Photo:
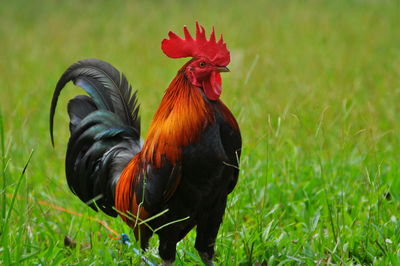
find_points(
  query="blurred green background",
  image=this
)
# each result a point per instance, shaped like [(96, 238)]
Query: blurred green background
[(315, 88)]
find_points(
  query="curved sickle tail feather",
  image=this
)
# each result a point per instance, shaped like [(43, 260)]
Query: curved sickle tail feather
[(105, 131)]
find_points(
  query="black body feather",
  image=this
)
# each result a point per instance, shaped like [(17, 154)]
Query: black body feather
[(105, 131)]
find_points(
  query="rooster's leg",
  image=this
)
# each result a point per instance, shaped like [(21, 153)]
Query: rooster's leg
[(167, 250), (145, 235), (207, 230), (170, 236)]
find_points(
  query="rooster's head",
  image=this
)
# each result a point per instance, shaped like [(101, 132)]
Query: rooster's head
[(210, 57)]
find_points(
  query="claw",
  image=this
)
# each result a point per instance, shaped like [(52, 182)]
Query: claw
[(206, 259), (167, 263)]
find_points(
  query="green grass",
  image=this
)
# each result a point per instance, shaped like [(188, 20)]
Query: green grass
[(315, 87)]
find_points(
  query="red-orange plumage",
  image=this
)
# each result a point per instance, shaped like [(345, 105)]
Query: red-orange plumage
[(178, 121), (125, 198), (124, 190)]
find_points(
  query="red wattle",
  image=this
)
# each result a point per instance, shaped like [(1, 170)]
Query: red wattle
[(213, 87)]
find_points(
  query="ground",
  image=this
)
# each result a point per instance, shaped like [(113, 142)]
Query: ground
[(315, 87)]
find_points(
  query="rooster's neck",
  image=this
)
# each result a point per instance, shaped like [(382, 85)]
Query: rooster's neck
[(180, 119)]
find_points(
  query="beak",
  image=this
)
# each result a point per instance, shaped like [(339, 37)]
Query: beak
[(222, 69)]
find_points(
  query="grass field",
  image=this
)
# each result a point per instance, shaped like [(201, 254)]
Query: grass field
[(315, 86)]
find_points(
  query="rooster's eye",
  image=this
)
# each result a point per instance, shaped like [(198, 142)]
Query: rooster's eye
[(202, 64)]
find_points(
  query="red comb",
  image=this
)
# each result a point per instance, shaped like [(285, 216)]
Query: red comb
[(216, 52)]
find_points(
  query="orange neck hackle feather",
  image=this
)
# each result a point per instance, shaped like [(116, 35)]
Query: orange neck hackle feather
[(179, 121)]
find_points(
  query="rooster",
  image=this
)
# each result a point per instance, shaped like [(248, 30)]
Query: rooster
[(179, 177)]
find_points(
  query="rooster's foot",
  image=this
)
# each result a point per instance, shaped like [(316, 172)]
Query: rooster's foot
[(167, 263), (207, 260)]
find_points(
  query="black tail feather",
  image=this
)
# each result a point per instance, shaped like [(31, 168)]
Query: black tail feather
[(108, 88), (105, 131), (78, 108)]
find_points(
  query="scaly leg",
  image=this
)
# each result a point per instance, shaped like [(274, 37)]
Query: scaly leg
[(207, 230)]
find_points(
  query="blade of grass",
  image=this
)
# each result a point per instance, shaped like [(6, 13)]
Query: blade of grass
[(14, 196), (3, 168)]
